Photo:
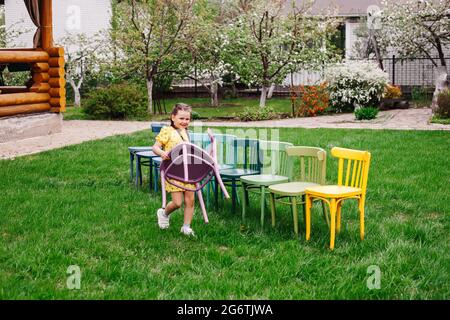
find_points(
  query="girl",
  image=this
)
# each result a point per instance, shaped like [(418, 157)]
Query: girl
[(168, 138)]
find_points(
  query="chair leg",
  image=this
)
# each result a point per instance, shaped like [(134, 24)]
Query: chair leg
[(131, 165), (216, 194), (155, 184), (263, 193), (338, 216), (244, 202), (150, 169), (333, 222), (361, 218), (149, 178), (138, 172), (304, 208), (208, 191), (233, 196), (325, 215), (272, 208), (307, 216), (295, 213)]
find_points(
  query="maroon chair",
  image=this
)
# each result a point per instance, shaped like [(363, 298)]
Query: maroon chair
[(191, 164)]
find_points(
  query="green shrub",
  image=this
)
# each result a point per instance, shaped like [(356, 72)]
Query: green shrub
[(420, 94), (443, 109), (367, 113), (255, 114), (118, 101), (195, 115)]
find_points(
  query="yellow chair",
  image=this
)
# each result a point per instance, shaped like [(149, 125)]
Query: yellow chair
[(354, 187)]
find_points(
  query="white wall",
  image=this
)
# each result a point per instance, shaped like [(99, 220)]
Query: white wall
[(69, 16)]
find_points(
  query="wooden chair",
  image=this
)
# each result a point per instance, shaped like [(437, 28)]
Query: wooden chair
[(276, 169), (247, 161), (312, 165), (355, 172)]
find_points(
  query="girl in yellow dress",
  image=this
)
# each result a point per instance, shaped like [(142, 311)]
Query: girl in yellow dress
[(168, 138)]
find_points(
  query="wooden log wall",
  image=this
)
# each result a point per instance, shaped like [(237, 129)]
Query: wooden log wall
[(56, 80), (33, 99), (47, 92)]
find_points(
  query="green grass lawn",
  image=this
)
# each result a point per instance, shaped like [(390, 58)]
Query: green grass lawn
[(227, 108), (76, 206)]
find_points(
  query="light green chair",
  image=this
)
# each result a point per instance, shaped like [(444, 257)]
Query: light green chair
[(276, 169), (312, 165)]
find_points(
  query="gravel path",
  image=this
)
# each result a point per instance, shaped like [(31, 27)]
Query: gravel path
[(78, 131)]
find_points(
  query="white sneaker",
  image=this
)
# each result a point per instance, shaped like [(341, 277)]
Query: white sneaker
[(163, 220), (187, 231)]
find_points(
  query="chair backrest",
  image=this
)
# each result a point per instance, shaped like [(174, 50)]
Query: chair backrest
[(225, 148), (199, 139), (312, 163), (156, 127), (274, 157), (353, 167), (246, 154)]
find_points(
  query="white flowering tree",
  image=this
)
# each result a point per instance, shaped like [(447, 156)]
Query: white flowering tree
[(84, 56), (150, 33), (203, 47), (419, 28), (268, 39), (355, 84)]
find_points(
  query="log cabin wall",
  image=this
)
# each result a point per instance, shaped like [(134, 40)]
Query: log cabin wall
[(47, 90)]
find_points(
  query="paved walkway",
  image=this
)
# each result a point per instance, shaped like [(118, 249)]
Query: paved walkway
[(73, 132), (409, 119), (78, 131)]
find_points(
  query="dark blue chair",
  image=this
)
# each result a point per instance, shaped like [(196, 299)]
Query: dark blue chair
[(247, 159)]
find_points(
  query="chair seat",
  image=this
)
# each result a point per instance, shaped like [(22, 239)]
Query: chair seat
[(225, 166), (139, 149), (146, 154), (233, 173), (333, 191), (291, 188), (264, 179)]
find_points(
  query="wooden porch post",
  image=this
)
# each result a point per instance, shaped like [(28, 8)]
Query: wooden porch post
[(47, 24)]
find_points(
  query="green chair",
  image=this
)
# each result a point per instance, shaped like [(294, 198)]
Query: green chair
[(276, 169), (312, 165), (246, 159)]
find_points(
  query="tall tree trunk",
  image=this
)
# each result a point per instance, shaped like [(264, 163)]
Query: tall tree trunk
[(150, 96), (262, 100), (271, 89), (214, 94), (76, 91), (441, 85)]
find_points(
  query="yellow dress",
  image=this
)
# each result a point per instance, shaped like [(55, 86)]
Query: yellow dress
[(168, 137)]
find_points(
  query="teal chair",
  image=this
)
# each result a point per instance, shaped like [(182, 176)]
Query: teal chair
[(225, 144), (156, 128), (247, 161), (276, 168)]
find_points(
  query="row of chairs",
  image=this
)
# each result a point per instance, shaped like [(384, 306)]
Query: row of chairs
[(267, 168)]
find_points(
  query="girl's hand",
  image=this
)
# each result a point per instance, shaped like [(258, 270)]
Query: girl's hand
[(165, 156)]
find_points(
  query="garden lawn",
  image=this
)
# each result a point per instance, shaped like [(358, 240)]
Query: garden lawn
[(76, 206)]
